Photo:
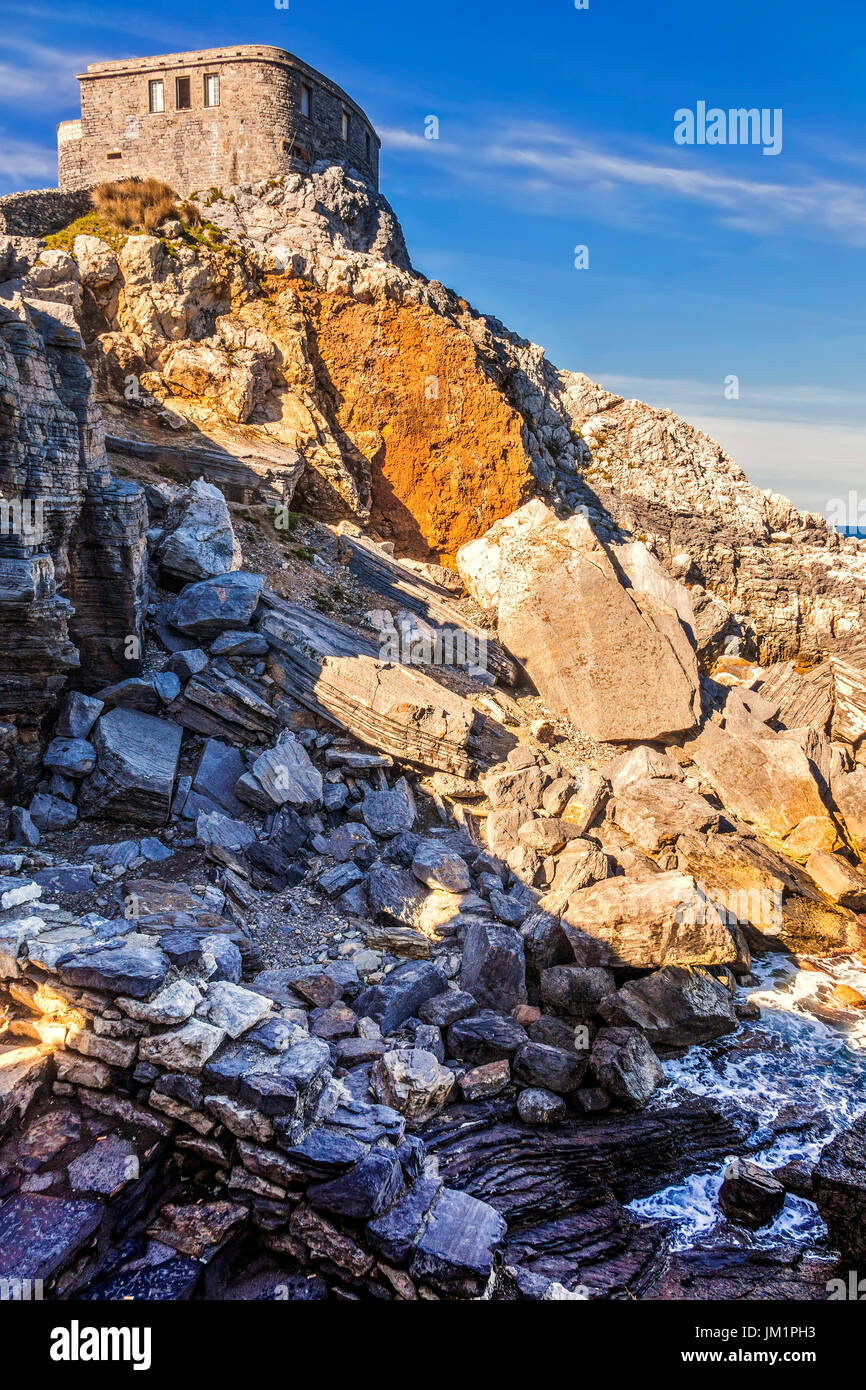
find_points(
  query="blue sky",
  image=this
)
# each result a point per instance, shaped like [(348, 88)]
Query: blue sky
[(556, 130)]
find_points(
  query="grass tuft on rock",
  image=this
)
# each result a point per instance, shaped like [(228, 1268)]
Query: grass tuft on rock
[(144, 203)]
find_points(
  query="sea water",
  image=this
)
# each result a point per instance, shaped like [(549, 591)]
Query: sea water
[(801, 1077)]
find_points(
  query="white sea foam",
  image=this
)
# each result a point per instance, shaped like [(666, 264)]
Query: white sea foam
[(800, 1077)]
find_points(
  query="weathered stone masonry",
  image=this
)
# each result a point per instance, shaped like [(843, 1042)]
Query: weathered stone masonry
[(249, 124)]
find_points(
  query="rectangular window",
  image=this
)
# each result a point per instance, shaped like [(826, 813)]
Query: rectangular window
[(182, 98), (367, 145), (346, 126), (156, 93), (211, 89), (306, 100)]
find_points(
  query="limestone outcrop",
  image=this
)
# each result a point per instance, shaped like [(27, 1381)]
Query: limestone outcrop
[(618, 662), (72, 538)]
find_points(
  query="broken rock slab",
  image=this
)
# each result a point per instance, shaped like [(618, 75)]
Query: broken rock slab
[(838, 879), (283, 775), (767, 781), (616, 661), (41, 1235), (649, 923), (412, 1081), (198, 541), (626, 1066), (216, 605), (494, 968), (849, 794), (391, 812), (675, 1007), (137, 756)]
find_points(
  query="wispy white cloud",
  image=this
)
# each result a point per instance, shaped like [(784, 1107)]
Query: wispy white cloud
[(36, 72), (397, 138), (827, 405), (559, 169), (25, 163)]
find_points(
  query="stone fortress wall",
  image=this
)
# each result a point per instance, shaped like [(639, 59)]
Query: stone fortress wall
[(254, 112)]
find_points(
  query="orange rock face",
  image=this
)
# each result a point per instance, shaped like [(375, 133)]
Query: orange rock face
[(408, 390)]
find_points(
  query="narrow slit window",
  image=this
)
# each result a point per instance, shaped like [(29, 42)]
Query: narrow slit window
[(306, 100), (346, 126), (156, 95), (367, 145), (211, 89), (183, 101)]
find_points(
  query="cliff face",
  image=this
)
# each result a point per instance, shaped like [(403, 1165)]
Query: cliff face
[(442, 446), (291, 332), (72, 540), (432, 421)]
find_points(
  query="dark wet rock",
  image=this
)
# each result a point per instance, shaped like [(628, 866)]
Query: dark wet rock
[(340, 879), (626, 1066), (137, 971), (485, 1037), (394, 1234), (448, 1007), (558, 1032), (508, 909), (797, 1177), (676, 1007), (105, 1168), (390, 812), (216, 605), (72, 757), (395, 895), (750, 1195), (551, 1068), (400, 995), (22, 828), (575, 990), (172, 1280), (50, 813), (137, 692), (545, 942), (234, 1061), (840, 1189), (402, 849), (745, 1275), (40, 1235), (290, 831), (369, 1188), (278, 868), (537, 1106), (66, 878), (324, 1153), (494, 969), (78, 715), (137, 758), (185, 664), (456, 1250), (213, 784)]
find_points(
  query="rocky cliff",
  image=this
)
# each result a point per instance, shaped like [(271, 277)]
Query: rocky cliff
[(368, 950), (72, 538), (292, 322)]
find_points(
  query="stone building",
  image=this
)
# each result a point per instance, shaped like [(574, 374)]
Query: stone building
[(216, 116)]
